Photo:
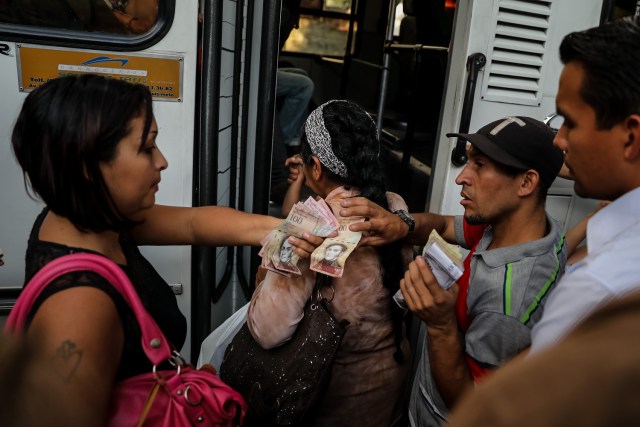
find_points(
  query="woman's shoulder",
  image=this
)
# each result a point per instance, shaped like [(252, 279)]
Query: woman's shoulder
[(40, 252), (396, 202), (37, 224)]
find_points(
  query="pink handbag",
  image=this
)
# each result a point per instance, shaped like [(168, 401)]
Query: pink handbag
[(169, 398)]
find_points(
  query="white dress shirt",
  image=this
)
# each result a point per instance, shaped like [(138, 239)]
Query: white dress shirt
[(610, 270)]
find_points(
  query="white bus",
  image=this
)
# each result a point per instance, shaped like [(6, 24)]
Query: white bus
[(422, 69)]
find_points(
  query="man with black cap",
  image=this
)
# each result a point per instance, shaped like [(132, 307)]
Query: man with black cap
[(582, 369), (517, 254)]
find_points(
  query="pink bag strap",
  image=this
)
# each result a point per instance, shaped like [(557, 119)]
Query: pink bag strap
[(154, 343)]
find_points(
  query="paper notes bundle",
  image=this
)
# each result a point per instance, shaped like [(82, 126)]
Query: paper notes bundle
[(316, 218), (444, 260), (329, 258)]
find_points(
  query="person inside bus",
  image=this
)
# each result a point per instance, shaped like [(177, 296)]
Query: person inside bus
[(293, 85), (517, 255), (339, 159), (583, 365), (294, 90), (110, 16), (137, 16), (87, 147)]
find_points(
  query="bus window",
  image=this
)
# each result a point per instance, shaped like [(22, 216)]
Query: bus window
[(621, 8), (323, 28), (124, 25), (137, 16)]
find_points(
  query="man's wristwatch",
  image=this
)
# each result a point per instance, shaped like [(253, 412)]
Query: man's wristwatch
[(407, 218)]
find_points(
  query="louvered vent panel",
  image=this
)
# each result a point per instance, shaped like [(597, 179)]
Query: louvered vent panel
[(514, 65)]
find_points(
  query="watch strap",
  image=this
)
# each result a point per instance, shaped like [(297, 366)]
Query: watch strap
[(407, 218)]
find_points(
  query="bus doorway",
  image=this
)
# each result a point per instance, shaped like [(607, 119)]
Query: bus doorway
[(388, 56), (450, 68)]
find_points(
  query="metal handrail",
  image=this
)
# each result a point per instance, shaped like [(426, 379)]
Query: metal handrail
[(415, 47), (475, 63)]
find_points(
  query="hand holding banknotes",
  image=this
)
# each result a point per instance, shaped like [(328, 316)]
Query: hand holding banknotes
[(444, 260), (381, 227), (311, 218), (426, 298)]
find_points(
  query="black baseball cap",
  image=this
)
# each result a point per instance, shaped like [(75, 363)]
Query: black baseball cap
[(520, 142)]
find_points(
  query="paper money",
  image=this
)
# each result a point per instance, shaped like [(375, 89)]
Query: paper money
[(312, 217), (452, 251), (268, 244), (282, 255), (329, 258), (324, 210), (444, 260)]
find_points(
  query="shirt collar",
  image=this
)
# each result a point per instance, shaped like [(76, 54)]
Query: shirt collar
[(502, 256)]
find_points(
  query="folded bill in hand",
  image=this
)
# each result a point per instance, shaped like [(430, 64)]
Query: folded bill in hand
[(312, 217), (444, 260), (329, 258)]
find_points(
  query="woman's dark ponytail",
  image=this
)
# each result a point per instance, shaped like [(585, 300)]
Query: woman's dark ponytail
[(355, 142)]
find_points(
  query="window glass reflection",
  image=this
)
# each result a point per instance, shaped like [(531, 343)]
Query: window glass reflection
[(320, 36), (338, 5), (327, 5), (108, 16), (622, 8)]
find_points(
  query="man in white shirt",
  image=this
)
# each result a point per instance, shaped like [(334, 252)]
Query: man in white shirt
[(599, 98)]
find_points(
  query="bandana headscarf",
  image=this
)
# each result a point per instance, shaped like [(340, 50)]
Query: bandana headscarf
[(320, 142)]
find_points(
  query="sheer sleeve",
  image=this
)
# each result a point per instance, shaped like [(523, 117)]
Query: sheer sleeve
[(277, 306)]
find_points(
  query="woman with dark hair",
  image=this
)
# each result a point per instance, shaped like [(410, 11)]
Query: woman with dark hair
[(87, 147), (339, 159)]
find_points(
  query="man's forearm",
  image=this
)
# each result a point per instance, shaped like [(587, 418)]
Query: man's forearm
[(448, 366), (382, 227), (425, 222)]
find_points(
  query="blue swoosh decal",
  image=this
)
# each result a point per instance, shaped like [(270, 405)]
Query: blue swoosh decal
[(101, 59)]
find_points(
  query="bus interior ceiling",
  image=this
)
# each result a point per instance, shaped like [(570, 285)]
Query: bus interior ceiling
[(413, 90)]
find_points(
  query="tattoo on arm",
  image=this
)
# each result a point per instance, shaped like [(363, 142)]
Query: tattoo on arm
[(66, 360)]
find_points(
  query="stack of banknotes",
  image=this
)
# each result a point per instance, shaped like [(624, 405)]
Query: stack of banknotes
[(444, 260), (314, 217)]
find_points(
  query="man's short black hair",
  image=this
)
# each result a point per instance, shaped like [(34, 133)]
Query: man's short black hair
[(610, 58)]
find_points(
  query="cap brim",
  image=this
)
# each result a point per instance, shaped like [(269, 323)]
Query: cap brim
[(490, 149)]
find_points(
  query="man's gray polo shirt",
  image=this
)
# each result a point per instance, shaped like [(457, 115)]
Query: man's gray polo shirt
[(507, 290)]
